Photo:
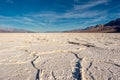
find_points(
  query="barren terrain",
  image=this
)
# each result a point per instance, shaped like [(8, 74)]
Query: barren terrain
[(60, 56)]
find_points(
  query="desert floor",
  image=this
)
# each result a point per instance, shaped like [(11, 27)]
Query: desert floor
[(60, 56)]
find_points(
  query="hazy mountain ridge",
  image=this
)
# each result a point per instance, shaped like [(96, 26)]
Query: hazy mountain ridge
[(13, 30), (110, 27)]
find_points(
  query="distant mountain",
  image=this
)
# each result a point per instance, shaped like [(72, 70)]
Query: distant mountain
[(13, 30), (110, 27), (53, 32)]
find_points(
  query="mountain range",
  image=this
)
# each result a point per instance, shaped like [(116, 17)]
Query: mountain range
[(13, 30), (110, 27)]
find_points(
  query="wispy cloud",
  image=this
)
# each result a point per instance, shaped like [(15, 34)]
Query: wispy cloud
[(78, 11), (90, 4), (18, 21), (69, 14), (93, 21)]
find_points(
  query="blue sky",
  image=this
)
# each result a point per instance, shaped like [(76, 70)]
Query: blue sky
[(56, 15)]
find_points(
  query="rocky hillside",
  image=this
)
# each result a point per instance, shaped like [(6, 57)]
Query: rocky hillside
[(110, 27)]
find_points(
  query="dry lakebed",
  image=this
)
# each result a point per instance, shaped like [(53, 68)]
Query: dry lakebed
[(59, 56)]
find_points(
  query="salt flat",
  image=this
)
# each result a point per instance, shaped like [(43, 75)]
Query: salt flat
[(60, 56)]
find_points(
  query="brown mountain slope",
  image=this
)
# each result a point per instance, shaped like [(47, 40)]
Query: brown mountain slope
[(110, 27)]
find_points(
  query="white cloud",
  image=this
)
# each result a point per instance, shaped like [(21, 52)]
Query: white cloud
[(90, 4), (78, 11), (23, 20), (69, 14), (27, 19)]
